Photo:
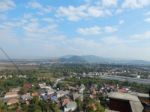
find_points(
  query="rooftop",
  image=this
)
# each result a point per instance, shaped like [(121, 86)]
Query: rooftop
[(12, 101), (107, 110), (123, 96), (11, 93), (134, 101), (140, 94)]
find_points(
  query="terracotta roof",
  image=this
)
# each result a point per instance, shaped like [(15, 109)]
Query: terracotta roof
[(12, 101), (11, 93)]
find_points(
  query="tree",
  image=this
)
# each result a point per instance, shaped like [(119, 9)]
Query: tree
[(79, 105)]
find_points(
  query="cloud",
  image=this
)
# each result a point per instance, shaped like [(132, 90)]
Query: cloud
[(133, 4), (147, 20), (99, 8), (110, 29), (6, 5), (142, 36), (147, 13), (96, 30), (113, 40), (34, 27), (73, 13), (30, 27), (109, 3), (42, 9)]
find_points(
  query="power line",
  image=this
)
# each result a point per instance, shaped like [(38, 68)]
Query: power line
[(4, 52)]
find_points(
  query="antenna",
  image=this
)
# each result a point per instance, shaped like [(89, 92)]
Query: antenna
[(3, 51)]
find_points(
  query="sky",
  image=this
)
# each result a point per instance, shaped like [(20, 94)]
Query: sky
[(54, 28)]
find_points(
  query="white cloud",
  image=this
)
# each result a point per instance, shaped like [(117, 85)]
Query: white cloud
[(110, 29), (119, 11), (95, 30), (42, 9), (142, 36), (135, 3), (3, 17), (73, 13), (113, 40), (99, 8), (6, 5), (95, 12), (147, 20), (33, 28), (109, 3)]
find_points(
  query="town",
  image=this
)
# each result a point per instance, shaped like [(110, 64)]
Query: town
[(58, 90), (74, 56)]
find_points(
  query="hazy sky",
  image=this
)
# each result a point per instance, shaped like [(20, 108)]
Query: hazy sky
[(49, 28)]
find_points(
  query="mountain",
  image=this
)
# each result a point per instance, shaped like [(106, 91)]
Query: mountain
[(72, 59), (80, 59), (97, 59)]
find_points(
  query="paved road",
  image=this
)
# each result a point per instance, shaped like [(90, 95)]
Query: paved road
[(129, 79), (57, 81)]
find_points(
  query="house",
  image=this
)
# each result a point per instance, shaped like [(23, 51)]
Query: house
[(81, 88), (34, 94), (77, 96), (50, 91), (12, 101), (26, 97), (123, 90), (70, 106), (124, 102), (27, 86), (54, 98), (42, 85), (15, 89), (107, 110), (11, 95), (65, 101), (71, 88), (46, 97), (61, 93)]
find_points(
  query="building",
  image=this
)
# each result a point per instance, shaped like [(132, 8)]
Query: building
[(11, 95), (71, 106), (12, 101), (82, 88), (27, 86), (61, 93), (26, 97), (107, 110), (124, 102), (35, 94), (15, 89), (77, 96), (65, 101)]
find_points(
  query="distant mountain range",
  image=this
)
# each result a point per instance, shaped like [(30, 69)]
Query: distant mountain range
[(97, 59), (81, 59)]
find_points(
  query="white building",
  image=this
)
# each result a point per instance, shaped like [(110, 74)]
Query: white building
[(26, 97), (71, 106), (61, 93), (82, 88)]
